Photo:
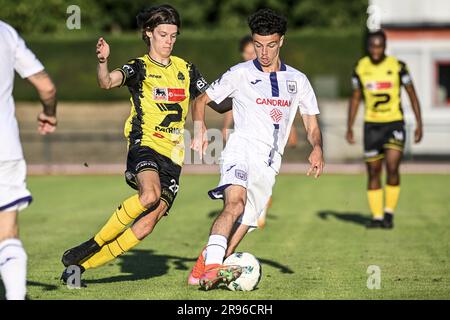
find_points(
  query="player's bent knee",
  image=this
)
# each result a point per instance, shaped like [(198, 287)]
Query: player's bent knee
[(235, 207), (149, 198)]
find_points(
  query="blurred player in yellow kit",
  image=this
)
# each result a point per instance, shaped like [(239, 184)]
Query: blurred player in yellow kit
[(378, 79)]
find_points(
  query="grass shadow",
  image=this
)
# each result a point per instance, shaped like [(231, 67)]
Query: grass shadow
[(353, 217), (145, 264)]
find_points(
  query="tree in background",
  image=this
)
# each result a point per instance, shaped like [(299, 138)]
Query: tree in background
[(49, 16)]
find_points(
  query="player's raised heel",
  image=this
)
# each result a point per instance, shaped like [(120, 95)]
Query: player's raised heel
[(79, 253)]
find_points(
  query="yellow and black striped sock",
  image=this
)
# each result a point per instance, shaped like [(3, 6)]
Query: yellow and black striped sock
[(129, 210), (376, 203), (392, 195), (112, 250)]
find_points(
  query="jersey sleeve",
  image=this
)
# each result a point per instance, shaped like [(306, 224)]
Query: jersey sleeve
[(223, 87), (130, 72), (356, 81), (198, 84), (25, 62), (308, 102), (405, 77)]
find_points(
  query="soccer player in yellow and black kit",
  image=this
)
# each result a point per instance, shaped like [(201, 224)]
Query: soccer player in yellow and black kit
[(377, 79), (160, 86)]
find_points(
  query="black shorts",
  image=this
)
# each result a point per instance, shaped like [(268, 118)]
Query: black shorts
[(381, 136), (142, 158)]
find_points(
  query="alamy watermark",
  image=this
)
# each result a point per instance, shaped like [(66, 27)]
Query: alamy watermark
[(374, 279), (73, 21)]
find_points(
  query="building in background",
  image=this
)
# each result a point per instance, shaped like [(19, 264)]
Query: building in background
[(418, 32)]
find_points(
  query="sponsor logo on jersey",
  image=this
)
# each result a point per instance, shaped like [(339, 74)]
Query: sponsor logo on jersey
[(160, 94), (291, 86), (276, 115), (169, 94), (166, 130), (273, 102), (378, 85), (201, 84), (256, 81), (156, 76), (176, 94)]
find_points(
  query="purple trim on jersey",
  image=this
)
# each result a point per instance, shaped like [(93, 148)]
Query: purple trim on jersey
[(15, 202), (257, 65), (274, 84)]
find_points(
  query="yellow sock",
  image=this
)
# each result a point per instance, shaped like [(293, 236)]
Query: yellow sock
[(112, 250), (376, 203), (392, 194), (129, 210)]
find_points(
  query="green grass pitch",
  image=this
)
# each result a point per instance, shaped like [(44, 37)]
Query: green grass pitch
[(314, 245)]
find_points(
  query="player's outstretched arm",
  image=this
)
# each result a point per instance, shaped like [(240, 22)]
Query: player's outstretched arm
[(352, 111), (200, 141), (315, 139), (47, 94), (418, 133), (106, 79)]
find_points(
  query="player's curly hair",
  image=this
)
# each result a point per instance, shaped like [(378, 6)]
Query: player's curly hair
[(266, 22), (149, 18)]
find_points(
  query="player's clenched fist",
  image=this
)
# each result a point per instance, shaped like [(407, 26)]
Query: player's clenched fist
[(102, 50)]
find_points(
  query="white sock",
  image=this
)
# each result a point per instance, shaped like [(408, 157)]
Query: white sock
[(215, 250), (13, 268)]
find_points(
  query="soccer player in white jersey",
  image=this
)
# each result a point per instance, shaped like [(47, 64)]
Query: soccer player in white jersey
[(14, 195), (266, 96)]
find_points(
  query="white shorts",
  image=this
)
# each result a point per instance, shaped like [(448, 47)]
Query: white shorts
[(14, 195), (248, 169)]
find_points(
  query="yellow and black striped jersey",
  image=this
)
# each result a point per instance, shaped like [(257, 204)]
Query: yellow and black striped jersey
[(381, 87), (160, 97)]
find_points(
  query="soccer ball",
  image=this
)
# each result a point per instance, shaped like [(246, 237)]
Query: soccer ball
[(251, 271)]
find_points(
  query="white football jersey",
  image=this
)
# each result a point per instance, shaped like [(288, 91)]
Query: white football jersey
[(264, 104), (14, 55)]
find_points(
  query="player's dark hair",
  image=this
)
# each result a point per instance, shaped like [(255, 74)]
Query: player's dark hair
[(379, 33), (244, 42), (266, 22), (149, 18)]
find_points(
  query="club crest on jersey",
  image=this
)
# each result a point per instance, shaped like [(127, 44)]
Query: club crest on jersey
[(291, 86), (241, 175), (180, 76)]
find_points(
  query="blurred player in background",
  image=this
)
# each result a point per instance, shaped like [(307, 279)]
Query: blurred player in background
[(161, 86), (378, 79), (266, 96), (14, 195)]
